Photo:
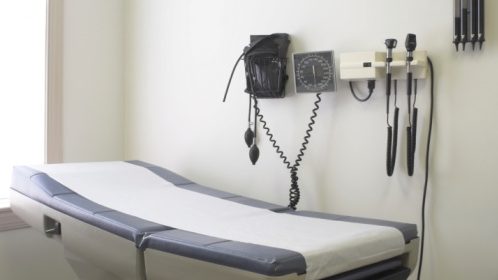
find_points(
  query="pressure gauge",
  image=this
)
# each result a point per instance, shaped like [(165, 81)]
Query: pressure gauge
[(314, 72)]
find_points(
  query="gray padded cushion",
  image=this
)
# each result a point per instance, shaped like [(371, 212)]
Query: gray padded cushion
[(256, 203), (206, 190), (127, 226), (169, 176), (49, 185), (76, 205), (42, 188), (36, 185), (409, 231), (184, 183), (259, 259)]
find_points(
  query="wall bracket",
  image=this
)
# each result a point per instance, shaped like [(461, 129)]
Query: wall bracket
[(356, 66)]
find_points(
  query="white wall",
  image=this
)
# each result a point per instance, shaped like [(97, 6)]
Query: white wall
[(92, 80), (178, 57)]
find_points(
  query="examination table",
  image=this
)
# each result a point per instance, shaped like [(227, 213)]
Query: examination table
[(134, 220)]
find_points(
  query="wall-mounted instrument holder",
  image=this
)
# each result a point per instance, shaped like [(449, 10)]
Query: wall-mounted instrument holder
[(410, 66), (468, 23), (358, 66)]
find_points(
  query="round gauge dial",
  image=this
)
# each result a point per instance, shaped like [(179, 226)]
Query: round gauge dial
[(314, 72)]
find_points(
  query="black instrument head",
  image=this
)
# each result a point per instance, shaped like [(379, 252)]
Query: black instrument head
[(391, 43), (411, 42)]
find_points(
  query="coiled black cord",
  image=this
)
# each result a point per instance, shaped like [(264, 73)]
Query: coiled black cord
[(270, 135), (294, 192), (305, 143)]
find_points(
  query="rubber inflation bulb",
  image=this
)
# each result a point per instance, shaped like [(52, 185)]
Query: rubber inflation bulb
[(249, 137), (254, 154)]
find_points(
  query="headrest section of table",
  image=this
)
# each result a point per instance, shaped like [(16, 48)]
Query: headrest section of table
[(45, 190)]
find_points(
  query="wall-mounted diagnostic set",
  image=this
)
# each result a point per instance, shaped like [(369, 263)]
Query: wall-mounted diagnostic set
[(468, 23), (265, 61), (410, 66)]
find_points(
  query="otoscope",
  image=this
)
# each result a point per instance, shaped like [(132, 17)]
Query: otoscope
[(390, 44), (410, 44), (392, 136)]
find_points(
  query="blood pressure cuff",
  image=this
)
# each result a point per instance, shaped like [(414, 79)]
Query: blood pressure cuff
[(265, 63)]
